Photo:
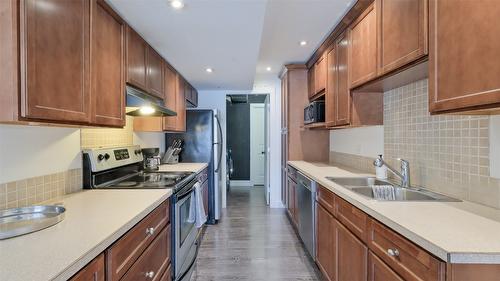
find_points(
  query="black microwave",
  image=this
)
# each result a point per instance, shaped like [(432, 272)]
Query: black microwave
[(314, 112)]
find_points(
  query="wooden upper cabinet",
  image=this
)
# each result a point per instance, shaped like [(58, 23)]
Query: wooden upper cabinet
[(320, 75), (342, 96), (402, 32), (136, 60), (55, 50), (311, 82), (94, 271), (181, 105), (331, 87), (171, 96), (464, 48), (154, 77), (107, 66), (363, 48)]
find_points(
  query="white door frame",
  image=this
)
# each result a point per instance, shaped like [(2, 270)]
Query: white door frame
[(253, 152)]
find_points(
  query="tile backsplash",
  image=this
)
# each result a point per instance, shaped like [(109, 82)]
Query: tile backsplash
[(31, 191), (447, 153), (106, 137)]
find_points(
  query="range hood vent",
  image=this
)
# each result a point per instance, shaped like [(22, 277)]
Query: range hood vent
[(140, 103)]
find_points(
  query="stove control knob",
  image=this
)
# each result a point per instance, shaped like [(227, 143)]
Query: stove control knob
[(106, 156), (100, 157), (137, 152)]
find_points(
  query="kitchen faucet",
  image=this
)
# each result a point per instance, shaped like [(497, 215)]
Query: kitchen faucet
[(405, 170)]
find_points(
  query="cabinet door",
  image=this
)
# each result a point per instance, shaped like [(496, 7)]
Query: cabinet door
[(136, 59), (379, 271), (402, 32), (353, 256), (326, 239), (464, 48), (342, 95), (291, 198), (363, 48), (55, 60), (107, 66), (311, 82), (181, 104), (331, 85), (170, 97), (154, 77), (94, 271), (320, 75)]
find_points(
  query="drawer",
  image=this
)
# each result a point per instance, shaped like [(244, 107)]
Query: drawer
[(152, 264), (167, 276), (405, 258), (326, 198), (124, 252), (353, 218), (94, 271)]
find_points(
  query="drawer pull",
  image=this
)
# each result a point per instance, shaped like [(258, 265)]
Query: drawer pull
[(150, 230), (393, 252), (150, 274)]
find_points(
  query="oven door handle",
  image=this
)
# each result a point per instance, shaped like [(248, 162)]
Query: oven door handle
[(185, 194)]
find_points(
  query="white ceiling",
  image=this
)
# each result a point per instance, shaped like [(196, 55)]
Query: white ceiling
[(239, 39)]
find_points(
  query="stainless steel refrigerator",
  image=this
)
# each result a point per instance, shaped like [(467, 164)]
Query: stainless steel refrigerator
[(203, 143)]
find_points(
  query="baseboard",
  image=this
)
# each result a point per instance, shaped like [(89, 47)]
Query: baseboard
[(240, 183)]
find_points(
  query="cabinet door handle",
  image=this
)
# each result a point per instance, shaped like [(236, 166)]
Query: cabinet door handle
[(150, 274), (150, 230), (393, 252)]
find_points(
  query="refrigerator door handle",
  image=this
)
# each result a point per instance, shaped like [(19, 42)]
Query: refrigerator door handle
[(220, 143)]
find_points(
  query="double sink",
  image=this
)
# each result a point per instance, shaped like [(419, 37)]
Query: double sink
[(380, 190)]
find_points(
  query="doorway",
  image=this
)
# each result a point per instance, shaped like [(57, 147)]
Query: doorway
[(247, 126)]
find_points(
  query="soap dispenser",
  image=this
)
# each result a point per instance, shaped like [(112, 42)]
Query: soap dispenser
[(381, 172)]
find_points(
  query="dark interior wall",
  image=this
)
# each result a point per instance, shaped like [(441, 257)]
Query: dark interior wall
[(238, 138)]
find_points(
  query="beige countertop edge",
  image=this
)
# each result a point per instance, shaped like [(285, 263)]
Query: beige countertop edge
[(448, 256), (101, 247)]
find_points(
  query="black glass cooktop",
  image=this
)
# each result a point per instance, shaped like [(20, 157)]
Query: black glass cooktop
[(152, 180)]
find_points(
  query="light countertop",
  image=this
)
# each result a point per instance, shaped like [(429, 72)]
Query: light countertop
[(183, 167), (456, 232), (94, 219)]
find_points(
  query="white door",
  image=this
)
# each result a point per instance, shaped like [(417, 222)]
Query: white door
[(257, 144)]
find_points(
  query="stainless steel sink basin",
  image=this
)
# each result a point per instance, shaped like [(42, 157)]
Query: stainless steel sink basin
[(387, 191), (19, 221)]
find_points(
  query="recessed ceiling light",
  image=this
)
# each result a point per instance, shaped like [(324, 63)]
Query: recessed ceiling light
[(303, 43), (268, 68), (177, 4), (209, 70)]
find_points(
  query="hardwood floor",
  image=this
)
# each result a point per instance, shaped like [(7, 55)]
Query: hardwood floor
[(252, 242)]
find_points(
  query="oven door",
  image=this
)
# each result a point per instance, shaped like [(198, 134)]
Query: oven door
[(185, 233)]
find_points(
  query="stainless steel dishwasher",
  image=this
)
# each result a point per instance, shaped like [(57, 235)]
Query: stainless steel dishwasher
[(306, 194)]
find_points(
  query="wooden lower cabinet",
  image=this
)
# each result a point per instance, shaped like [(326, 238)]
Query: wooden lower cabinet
[(326, 243), (352, 255), (167, 276), (379, 271), (143, 253), (94, 271), (153, 262)]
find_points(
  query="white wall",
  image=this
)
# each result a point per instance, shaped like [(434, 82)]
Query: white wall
[(217, 100), (363, 141), (29, 151)]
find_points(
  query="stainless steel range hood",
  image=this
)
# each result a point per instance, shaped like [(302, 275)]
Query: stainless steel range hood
[(140, 103)]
